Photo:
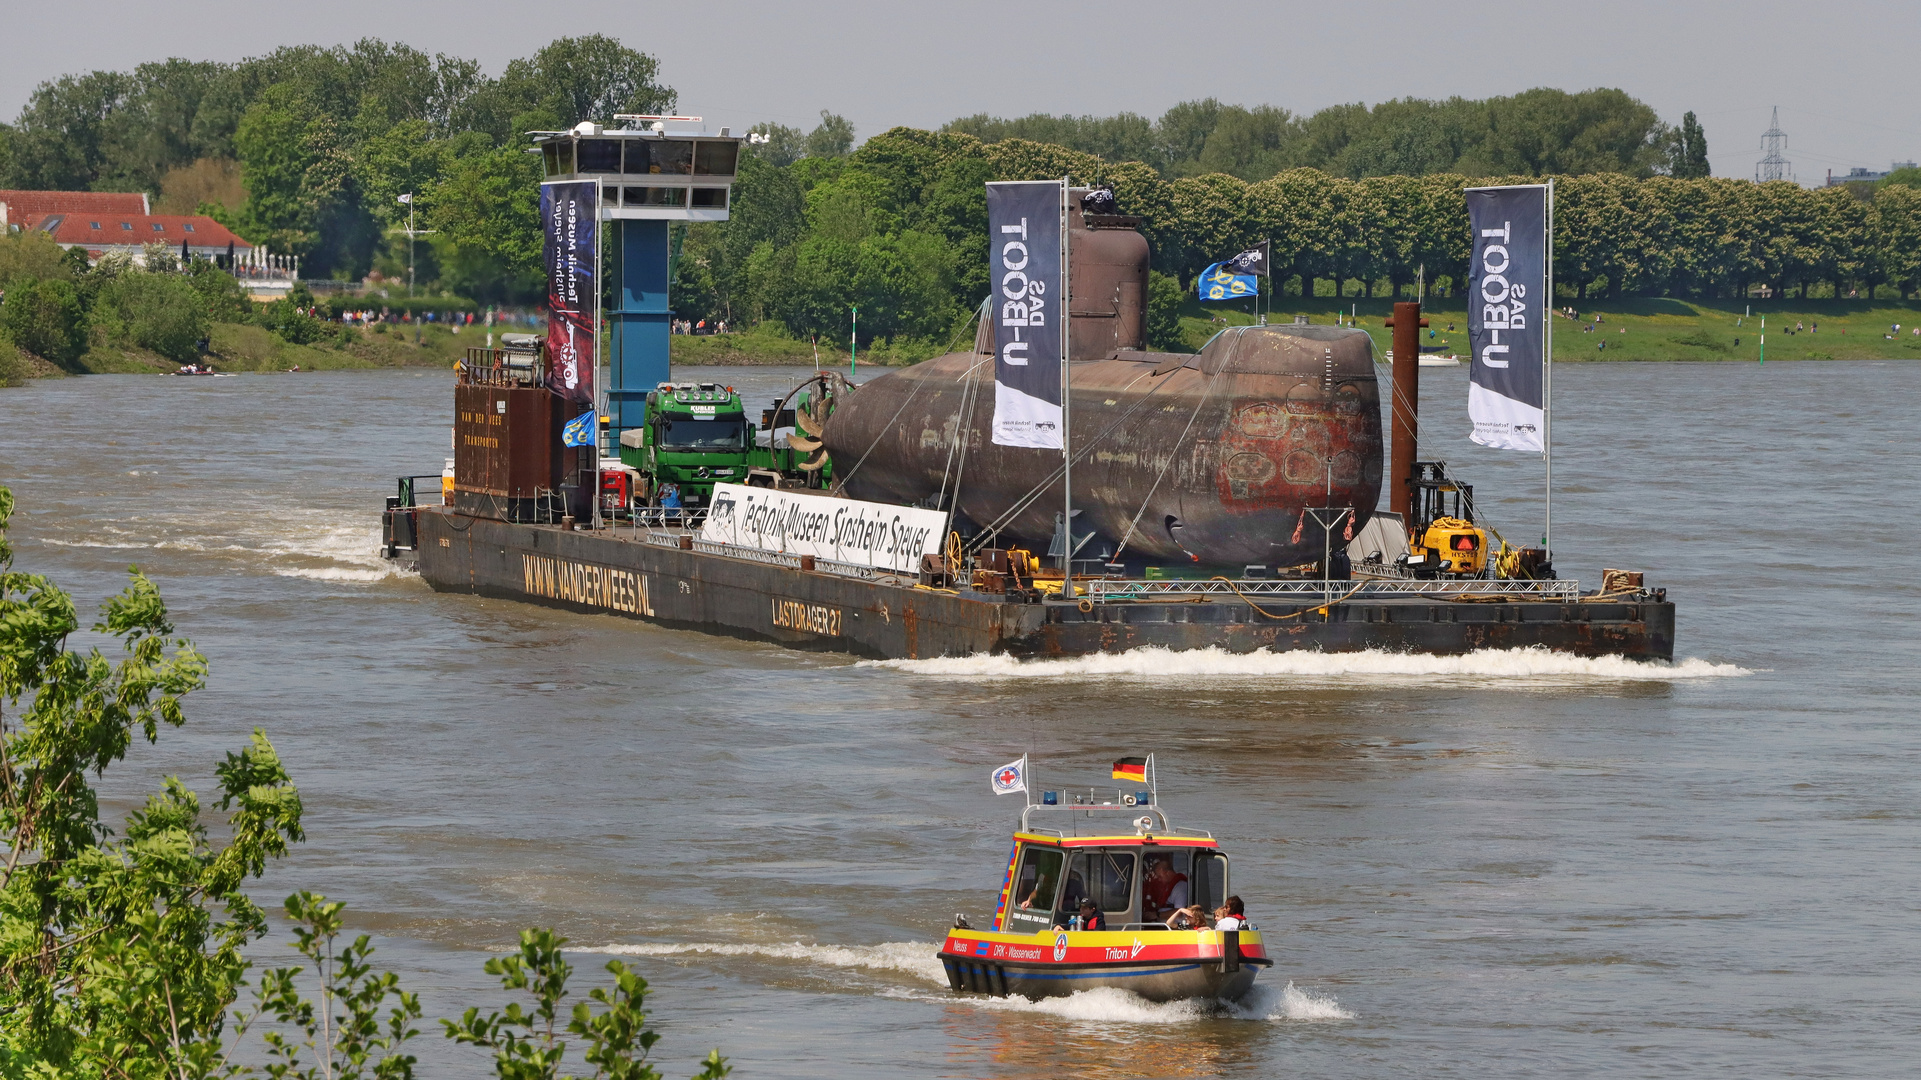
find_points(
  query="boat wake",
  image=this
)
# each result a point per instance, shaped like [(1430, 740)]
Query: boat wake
[(916, 959), (905, 957), (1521, 668), (300, 543)]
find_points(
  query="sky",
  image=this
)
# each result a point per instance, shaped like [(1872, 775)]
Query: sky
[(1842, 72)]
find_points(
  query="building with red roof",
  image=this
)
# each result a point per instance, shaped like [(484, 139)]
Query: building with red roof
[(100, 233), (103, 222), (21, 208)]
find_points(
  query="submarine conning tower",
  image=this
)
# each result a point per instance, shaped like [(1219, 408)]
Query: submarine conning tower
[(1213, 458), (1107, 281)]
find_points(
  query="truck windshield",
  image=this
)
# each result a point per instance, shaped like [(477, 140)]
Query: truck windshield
[(698, 435)]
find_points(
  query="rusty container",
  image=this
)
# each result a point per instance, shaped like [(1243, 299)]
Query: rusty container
[(1211, 459), (508, 460)]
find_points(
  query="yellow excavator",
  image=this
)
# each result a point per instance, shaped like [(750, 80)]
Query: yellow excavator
[(1444, 541)]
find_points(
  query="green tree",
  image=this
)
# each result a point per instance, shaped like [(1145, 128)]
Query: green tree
[(776, 144), (1164, 299), (527, 1042), (351, 1044), (32, 255), (1897, 231), (489, 203), (1688, 153), (124, 950), (583, 78), (158, 311), (833, 137), (61, 139), (46, 318), (302, 198)]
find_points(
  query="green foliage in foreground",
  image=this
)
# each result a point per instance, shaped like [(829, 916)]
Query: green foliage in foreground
[(121, 956)]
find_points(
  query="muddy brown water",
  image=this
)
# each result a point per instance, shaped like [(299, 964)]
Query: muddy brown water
[(1501, 865)]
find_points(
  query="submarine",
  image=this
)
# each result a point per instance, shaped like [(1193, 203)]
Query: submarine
[(1208, 459)]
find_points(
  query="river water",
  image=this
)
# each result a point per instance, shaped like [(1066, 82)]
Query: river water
[(1500, 865)]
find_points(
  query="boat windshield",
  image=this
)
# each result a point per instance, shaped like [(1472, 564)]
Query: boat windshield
[(697, 435), (1103, 875), (1035, 886)]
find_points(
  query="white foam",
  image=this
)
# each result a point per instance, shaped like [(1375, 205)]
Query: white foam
[(1517, 667), (1289, 1003), (907, 957)]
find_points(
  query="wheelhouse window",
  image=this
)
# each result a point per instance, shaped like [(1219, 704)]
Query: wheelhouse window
[(1209, 879), (654, 196), (1103, 875), (1035, 885), (714, 197), (599, 155), (716, 158)]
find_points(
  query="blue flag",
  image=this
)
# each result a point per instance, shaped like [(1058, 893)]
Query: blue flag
[(579, 431), (1218, 282)]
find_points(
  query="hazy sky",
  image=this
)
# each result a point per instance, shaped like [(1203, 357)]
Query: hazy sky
[(1843, 72)]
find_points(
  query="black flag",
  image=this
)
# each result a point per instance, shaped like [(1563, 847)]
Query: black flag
[(1252, 261), (1507, 300), (1025, 270)]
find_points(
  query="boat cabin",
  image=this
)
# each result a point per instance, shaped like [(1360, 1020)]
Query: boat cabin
[(1119, 851)]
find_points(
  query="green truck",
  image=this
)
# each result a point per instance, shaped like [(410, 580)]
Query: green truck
[(697, 435)]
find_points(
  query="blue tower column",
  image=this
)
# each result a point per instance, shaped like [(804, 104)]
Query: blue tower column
[(638, 323)]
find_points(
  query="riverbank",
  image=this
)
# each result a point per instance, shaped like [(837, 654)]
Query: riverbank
[(1633, 329)]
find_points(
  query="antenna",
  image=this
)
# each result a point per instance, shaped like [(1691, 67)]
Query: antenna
[(1772, 165)]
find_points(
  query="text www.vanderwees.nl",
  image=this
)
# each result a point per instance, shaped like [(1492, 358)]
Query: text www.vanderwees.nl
[(585, 583)]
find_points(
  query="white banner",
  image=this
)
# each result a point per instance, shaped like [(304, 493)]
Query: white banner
[(843, 530)]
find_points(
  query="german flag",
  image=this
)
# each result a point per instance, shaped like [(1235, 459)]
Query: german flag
[(1131, 768)]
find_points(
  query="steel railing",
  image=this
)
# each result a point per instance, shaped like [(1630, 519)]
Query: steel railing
[(1309, 592)]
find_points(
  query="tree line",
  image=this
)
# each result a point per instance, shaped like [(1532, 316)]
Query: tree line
[(1533, 133), (307, 150), (897, 228)]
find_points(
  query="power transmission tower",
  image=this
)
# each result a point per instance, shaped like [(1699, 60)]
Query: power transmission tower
[(1772, 165)]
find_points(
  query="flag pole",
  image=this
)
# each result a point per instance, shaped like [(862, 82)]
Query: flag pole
[(1547, 380), (1067, 451)]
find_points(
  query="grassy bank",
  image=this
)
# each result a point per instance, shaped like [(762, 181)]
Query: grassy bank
[(1635, 329), (769, 344), (243, 347)]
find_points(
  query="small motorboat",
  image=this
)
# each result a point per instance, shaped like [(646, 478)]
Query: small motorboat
[(1117, 849), (201, 369)]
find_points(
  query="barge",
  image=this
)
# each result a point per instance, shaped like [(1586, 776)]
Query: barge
[(1225, 499)]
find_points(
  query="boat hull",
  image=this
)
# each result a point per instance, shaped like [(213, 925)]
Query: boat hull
[(1156, 965), (889, 618)]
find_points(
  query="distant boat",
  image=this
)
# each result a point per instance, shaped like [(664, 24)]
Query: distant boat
[(1440, 361)]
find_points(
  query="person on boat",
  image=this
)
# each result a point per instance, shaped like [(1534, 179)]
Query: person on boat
[(1191, 917), (1164, 890), (1232, 916), (1073, 894), (1091, 917)]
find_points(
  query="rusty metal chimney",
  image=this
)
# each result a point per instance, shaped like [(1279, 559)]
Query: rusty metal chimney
[(1406, 400)]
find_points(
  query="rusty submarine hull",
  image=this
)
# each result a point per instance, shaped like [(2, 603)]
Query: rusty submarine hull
[(1212, 458)]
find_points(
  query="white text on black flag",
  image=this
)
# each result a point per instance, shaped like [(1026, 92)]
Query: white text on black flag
[(1024, 265), (1507, 315)]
